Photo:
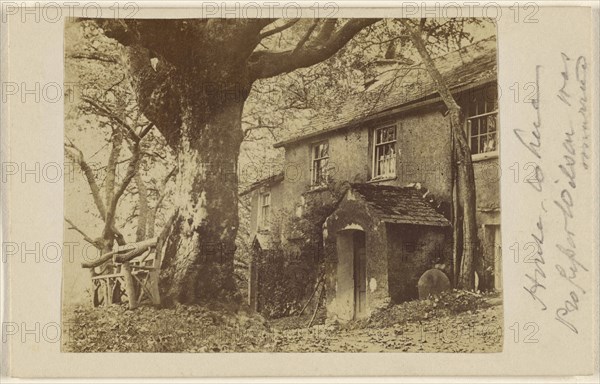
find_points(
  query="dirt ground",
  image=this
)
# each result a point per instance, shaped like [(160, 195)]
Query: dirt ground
[(478, 331), (458, 322)]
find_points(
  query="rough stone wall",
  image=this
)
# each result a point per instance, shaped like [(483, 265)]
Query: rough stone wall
[(412, 251), (345, 161), (486, 266), (423, 153), (487, 184)]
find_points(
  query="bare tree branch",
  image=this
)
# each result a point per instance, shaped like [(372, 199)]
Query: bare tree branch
[(95, 242), (131, 170), (417, 40), (306, 36), (111, 168), (142, 223), (102, 110), (76, 155)]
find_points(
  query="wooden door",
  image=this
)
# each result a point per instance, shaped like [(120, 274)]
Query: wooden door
[(360, 275)]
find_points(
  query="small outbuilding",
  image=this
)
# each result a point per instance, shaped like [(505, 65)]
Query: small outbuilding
[(378, 242)]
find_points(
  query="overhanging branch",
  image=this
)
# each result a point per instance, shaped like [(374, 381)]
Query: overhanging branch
[(263, 64)]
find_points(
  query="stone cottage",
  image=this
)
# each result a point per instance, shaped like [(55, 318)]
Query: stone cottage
[(391, 221)]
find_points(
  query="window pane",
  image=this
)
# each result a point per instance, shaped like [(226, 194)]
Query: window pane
[(490, 143), (482, 130), (390, 134), (474, 127), (319, 165), (491, 123), (482, 125), (384, 151), (320, 150), (320, 171), (383, 135), (474, 144)]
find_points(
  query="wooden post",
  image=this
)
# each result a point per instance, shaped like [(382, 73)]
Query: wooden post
[(129, 285), (107, 298), (95, 298), (154, 292)]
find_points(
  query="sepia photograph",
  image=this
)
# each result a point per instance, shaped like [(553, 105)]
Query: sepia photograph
[(282, 185)]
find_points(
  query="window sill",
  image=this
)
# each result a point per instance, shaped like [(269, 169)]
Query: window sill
[(382, 178), (484, 156)]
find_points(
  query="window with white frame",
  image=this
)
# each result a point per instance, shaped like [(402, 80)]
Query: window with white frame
[(265, 210), (384, 152), (481, 118), (320, 163)]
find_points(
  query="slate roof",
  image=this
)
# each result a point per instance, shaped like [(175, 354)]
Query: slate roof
[(472, 65), (271, 180), (401, 205)]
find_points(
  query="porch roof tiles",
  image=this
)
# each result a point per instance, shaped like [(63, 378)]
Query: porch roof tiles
[(400, 205)]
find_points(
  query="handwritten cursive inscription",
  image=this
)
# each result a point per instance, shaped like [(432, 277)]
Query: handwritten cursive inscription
[(535, 138), (562, 288)]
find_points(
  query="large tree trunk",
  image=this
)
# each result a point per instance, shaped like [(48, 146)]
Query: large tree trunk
[(199, 250), (465, 181), (191, 78)]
